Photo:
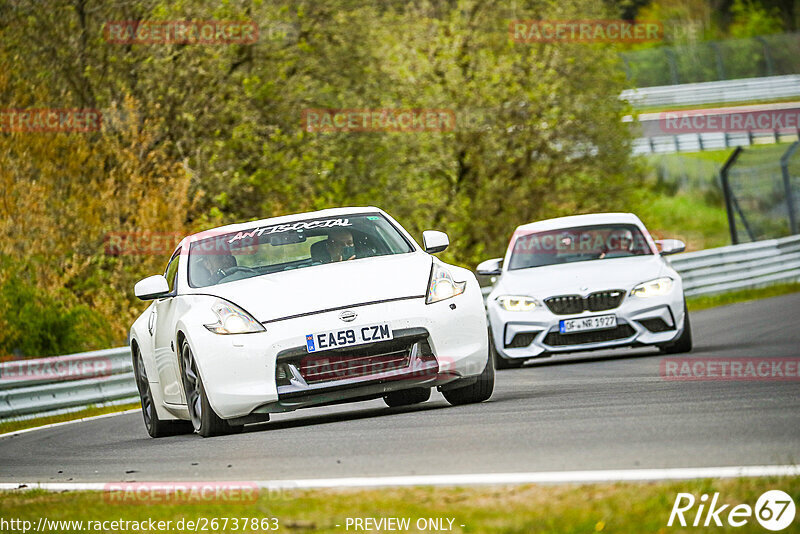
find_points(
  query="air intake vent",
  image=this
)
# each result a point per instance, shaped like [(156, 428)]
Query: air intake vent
[(565, 305), (556, 339), (656, 324), (522, 339), (597, 301)]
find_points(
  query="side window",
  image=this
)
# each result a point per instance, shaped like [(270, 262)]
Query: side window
[(171, 274)]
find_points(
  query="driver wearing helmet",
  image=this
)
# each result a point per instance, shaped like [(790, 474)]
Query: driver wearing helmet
[(619, 243), (213, 267), (340, 245)]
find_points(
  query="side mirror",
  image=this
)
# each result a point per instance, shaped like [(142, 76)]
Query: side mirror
[(152, 287), (670, 246), (491, 267), (433, 241)]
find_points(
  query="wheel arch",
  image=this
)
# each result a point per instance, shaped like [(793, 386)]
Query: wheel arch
[(180, 337), (149, 363)]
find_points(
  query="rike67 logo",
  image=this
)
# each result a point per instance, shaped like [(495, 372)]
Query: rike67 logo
[(774, 510)]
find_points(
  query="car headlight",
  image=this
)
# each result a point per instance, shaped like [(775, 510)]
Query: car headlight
[(516, 303), (233, 320), (442, 286), (653, 288)]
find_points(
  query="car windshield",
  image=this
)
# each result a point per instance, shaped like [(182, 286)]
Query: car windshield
[(282, 247), (585, 243)]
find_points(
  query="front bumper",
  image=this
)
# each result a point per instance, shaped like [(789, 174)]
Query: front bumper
[(640, 321), (364, 371), (239, 371)]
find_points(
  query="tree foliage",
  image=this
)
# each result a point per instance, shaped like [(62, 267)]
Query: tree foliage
[(199, 135)]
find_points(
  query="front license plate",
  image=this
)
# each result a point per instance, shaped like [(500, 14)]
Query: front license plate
[(347, 337), (598, 322)]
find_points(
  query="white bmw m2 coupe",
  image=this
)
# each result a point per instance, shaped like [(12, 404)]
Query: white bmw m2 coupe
[(585, 282), (334, 306)]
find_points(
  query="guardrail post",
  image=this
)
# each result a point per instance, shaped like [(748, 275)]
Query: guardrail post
[(787, 185), (728, 194)]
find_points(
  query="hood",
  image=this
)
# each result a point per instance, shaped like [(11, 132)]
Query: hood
[(571, 278), (311, 289)]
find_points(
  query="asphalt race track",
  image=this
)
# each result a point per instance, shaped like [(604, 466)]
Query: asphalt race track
[(599, 410)]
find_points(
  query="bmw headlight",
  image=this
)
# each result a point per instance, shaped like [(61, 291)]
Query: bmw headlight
[(442, 286), (516, 303), (231, 319), (653, 288)]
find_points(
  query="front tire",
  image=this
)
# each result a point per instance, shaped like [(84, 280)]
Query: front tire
[(156, 428), (407, 397), (205, 420), (480, 391), (684, 343)]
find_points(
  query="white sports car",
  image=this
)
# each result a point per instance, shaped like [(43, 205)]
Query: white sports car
[(333, 306), (585, 282)]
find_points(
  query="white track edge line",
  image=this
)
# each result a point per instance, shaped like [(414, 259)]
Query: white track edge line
[(554, 477), (71, 421)]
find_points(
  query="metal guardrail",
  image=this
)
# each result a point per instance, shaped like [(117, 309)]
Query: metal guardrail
[(655, 136), (698, 142), (749, 265), (49, 385), (726, 91), (54, 385)]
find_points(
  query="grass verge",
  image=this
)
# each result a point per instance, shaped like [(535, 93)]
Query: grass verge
[(711, 301), (611, 507), (11, 426), (685, 217)]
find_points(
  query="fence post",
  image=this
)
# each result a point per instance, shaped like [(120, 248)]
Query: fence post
[(727, 193), (718, 58), (673, 65), (627, 66), (767, 56), (787, 185)]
